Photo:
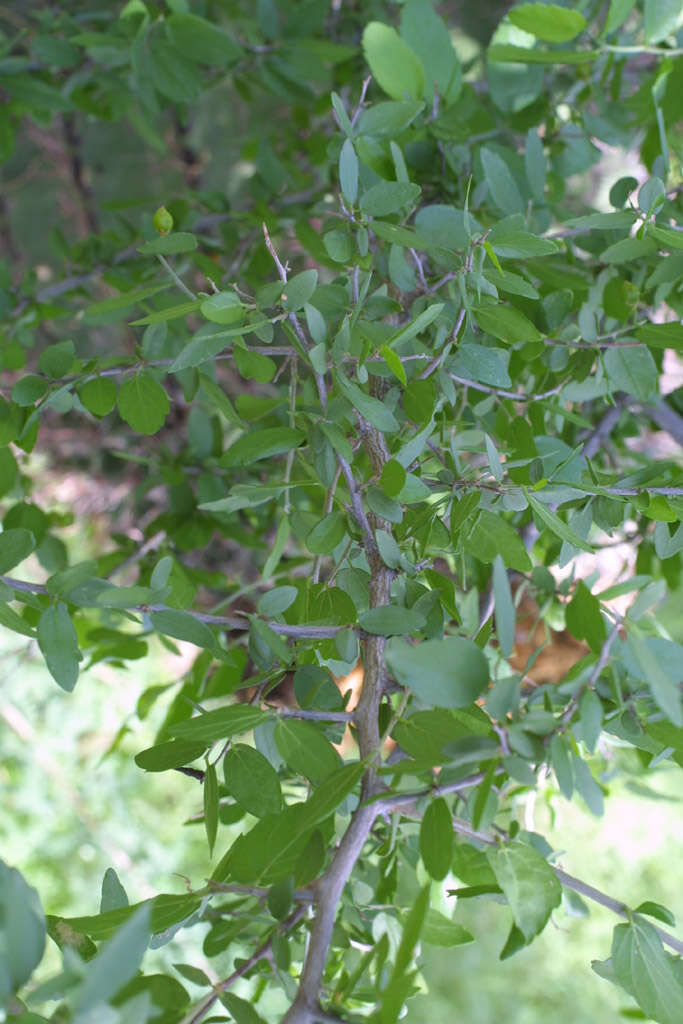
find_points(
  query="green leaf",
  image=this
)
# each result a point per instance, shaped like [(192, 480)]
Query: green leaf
[(276, 552), (121, 302), (280, 898), (396, 989), (491, 535), (315, 689), (162, 316), (555, 524), (208, 342), (175, 77), (276, 601), (628, 249), (266, 637), (590, 717), (382, 506), (586, 785), (348, 647), (219, 399), (253, 365), (98, 395), (428, 36), (619, 11), (529, 884), (436, 839), (305, 749), (194, 974), (202, 41), (211, 805), (167, 909), (143, 403), (59, 645), (342, 116), (393, 478), (113, 894), (167, 245), (261, 444), (394, 363), (172, 754), (661, 18), (394, 66), (272, 848), (327, 533), (28, 390), (348, 172), (502, 185), (426, 734), (621, 220), (669, 335), (584, 618), (506, 323), (240, 1010), (330, 793), (382, 119), (562, 765), (223, 308), (56, 360), (633, 370), (15, 545), (115, 964), (183, 626), (663, 687), (416, 326), (370, 408), (504, 608), (535, 164), (644, 969), (220, 724), (657, 911), (10, 619), (389, 550), (549, 22), (299, 289), (448, 673), (391, 620), (388, 197), (520, 245), (22, 931), (439, 930), (252, 781)]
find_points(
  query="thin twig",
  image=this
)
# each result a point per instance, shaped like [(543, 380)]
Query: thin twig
[(263, 952), (315, 716), (327, 508), (463, 828), (615, 905), (438, 359), (359, 513), (359, 109), (516, 396), (234, 624), (177, 280)]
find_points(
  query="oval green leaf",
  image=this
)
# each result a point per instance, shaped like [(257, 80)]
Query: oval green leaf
[(448, 673)]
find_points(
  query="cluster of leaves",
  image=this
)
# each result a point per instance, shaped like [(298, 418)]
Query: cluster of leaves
[(404, 433)]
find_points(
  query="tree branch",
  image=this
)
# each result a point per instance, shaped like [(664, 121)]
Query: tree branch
[(330, 887), (463, 828), (226, 621)]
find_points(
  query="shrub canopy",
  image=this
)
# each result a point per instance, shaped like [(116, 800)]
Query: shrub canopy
[(379, 366)]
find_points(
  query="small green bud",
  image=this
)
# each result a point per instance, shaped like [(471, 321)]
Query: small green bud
[(163, 221)]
